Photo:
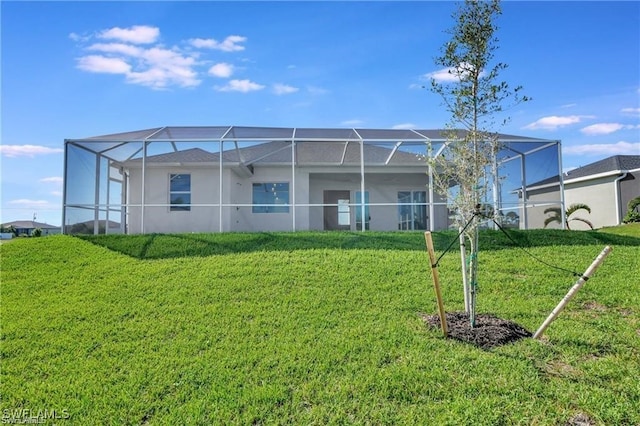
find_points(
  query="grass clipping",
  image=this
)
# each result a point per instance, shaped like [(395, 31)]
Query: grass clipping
[(489, 332)]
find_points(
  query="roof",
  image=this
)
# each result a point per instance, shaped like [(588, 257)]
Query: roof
[(29, 224), (129, 145), (277, 153), (617, 164), (622, 163), (236, 133)]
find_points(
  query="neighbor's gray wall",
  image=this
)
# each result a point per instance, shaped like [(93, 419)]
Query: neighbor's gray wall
[(629, 189)]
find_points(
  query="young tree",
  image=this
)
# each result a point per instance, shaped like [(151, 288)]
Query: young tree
[(474, 97)]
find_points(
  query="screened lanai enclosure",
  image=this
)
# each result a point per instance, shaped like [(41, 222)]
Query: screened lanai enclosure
[(235, 179)]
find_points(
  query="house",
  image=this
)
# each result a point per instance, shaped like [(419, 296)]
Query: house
[(606, 186), (236, 179), (26, 227)]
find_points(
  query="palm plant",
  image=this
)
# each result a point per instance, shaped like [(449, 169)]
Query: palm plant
[(557, 215)]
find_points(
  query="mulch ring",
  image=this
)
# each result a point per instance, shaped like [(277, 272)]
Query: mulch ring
[(489, 331)]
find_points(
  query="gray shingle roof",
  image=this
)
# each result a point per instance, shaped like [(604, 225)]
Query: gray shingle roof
[(609, 164), (279, 152), (29, 224)]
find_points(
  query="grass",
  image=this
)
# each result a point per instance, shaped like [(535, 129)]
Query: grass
[(313, 328)]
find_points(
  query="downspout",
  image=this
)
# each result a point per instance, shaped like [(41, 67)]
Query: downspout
[(616, 182)]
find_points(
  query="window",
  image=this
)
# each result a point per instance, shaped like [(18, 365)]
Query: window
[(412, 210), (270, 197), (344, 213), (180, 192)]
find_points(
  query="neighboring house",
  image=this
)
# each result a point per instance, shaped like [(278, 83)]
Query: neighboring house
[(26, 227), (606, 186), (222, 179)]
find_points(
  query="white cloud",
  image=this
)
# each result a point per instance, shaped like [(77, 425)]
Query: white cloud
[(134, 53), (630, 111), (137, 34), (78, 37), (568, 105), (243, 86), (618, 148), (606, 128), (103, 64), (404, 126), (284, 89), (554, 121), (155, 67), (122, 48), (602, 128), (229, 44), (52, 179), (354, 122), (450, 75), (27, 150), (443, 75), (415, 86), (56, 193), (222, 70), (29, 203), (315, 90)]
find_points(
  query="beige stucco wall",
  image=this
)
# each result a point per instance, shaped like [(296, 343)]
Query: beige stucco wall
[(599, 195), (382, 188), (204, 190), (237, 196), (537, 202)]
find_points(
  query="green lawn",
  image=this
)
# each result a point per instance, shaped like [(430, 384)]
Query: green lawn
[(313, 328)]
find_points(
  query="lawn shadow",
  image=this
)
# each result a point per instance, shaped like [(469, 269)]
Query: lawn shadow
[(166, 246)]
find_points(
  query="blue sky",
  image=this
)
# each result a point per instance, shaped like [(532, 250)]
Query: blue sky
[(77, 69)]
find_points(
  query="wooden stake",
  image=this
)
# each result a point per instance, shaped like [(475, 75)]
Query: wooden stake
[(436, 282), (465, 278), (552, 316)]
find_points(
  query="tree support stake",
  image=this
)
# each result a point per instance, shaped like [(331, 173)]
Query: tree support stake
[(436, 282), (596, 263)]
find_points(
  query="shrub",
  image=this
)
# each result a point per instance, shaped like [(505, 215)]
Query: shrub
[(632, 211)]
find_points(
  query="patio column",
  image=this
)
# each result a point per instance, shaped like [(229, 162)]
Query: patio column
[(523, 183), (293, 180), (96, 205), (563, 213)]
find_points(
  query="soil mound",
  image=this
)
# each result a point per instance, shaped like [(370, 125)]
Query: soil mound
[(489, 331)]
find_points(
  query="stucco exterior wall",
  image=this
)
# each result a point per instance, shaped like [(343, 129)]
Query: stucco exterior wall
[(204, 190), (537, 202), (382, 188), (237, 212), (599, 195)]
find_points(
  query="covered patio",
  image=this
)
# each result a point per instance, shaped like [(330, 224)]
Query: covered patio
[(232, 178)]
